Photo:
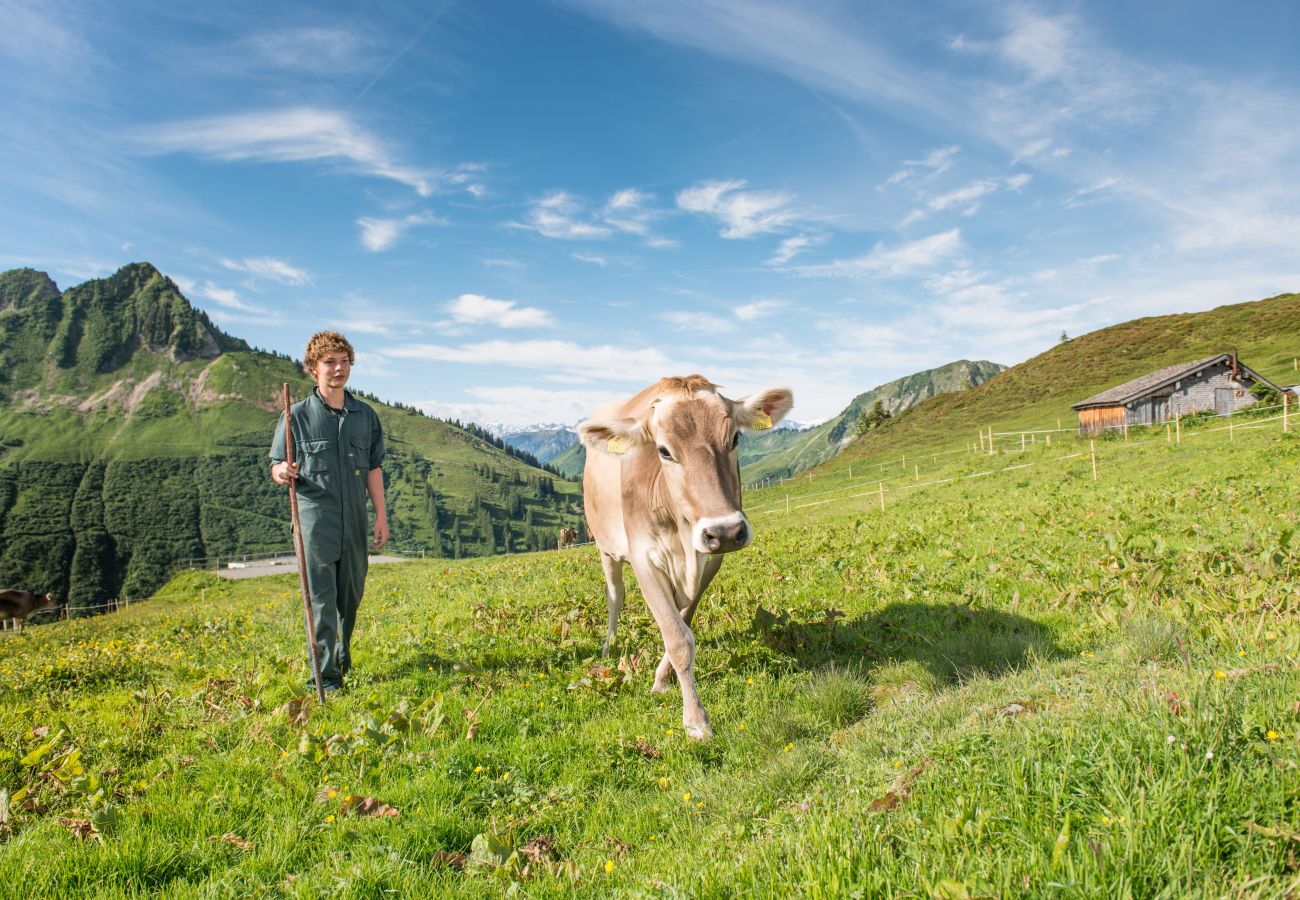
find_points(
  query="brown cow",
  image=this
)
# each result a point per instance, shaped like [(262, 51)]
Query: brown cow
[(22, 605), (568, 537), (661, 488)]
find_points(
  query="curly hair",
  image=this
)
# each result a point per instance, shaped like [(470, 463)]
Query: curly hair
[(323, 342)]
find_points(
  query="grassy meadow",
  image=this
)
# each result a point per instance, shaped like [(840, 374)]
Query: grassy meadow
[(1022, 683)]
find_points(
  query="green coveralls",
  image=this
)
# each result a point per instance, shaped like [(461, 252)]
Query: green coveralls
[(335, 451)]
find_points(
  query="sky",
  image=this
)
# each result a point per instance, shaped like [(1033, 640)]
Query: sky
[(519, 210)]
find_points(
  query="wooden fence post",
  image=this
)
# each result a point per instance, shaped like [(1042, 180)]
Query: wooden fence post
[(1093, 445), (1169, 432), (1022, 442), (882, 496), (1049, 440), (1126, 431), (1285, 409), (917, 469), (1178, 429), (787, 504), (1231, 436)]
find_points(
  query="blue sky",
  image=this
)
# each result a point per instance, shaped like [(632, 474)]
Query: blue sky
[(519, 210)]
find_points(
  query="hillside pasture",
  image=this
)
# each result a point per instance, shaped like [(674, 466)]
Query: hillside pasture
[(1019, 683)]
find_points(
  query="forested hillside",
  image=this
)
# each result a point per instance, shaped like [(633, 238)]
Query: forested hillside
[(133, 437)]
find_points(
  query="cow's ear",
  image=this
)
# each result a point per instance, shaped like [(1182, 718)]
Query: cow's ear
[(760, 411), (616, 436)]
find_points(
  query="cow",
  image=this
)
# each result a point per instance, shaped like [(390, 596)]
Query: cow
[(22, 605), (661, 487), (568, 537)]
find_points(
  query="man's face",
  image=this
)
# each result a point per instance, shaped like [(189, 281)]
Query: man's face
[(332, 370)]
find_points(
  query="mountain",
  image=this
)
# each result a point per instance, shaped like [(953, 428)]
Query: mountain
[(1038, 392), (782, 452), (134, 432), (543, 441)]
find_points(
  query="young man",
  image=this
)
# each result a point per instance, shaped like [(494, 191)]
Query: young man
[(338, 448)]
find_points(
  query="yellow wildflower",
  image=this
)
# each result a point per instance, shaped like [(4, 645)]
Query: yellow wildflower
[(1272, 735), (329, 819), (1219, 673), (686, 797), (609, 866)]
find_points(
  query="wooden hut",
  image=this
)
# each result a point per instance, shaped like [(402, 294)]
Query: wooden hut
[(1219, 383)]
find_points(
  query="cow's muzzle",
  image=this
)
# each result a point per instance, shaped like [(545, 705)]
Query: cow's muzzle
[(722, 534)]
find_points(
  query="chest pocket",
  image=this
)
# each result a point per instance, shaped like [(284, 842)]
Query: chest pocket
[(315, 457), (360, 446)]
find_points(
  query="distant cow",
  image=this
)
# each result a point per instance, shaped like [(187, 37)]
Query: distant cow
[(568, 537), (22, 605), (661, 488)]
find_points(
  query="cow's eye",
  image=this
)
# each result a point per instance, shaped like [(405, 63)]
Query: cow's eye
[(735, 441), (664, 454)]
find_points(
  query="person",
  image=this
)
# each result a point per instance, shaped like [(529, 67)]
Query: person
[(338, 448)]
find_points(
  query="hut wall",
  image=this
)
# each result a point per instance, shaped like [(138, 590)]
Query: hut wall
[(1099, 418), (1196, 394)]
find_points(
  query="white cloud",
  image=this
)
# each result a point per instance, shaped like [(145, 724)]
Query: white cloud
[(475, 309), (315, 49), (558, 215), (269, 267), (742, 213), (228, 298), (301, 134), (1093, 193), (604, 361), (562, 215), (590, 258), (497, 262), (901, 260), (934, 163), (962, 195), (683, 320), (791, 247), (759, 309), (380, 234)]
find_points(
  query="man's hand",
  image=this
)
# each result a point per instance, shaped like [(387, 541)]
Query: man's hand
[(284, 472), (381, 533)]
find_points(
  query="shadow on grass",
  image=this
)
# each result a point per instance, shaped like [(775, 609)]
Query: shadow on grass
[(952, 641)]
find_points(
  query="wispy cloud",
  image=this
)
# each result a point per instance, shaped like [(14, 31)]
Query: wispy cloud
[(742, 213), (936, 162), (229, 299), (791, 247), (380, 234), (301, 134), (317, 50), (628, 364), (591, 258), (475, 309), (759, 309), (903, 259), (561, 215), (1093, 193), (269, 267), (697, 322)]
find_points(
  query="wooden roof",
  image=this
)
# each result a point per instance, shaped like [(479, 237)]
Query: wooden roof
[(1139, 387)]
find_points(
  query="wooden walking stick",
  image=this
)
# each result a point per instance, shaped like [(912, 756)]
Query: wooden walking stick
[(298, 548)]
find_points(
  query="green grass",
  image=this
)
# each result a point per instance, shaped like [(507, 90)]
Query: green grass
[(1025, 683)]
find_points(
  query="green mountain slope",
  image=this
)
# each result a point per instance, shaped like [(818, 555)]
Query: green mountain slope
[(782, 452), (1037, 393), (133, 435)]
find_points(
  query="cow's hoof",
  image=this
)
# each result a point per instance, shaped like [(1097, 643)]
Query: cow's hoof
[(699, 732), (661, 687)]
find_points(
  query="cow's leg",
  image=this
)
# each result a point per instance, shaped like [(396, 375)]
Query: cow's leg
[(614, 592), (680, 644), (664, 672)]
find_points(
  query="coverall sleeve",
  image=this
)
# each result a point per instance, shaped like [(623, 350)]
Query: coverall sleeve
[(376, 442), (277, 453)]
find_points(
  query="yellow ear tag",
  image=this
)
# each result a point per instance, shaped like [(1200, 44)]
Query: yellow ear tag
[(762, 422), (617, 446)]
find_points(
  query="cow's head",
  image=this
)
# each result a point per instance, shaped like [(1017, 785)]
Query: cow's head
[(694, 433)]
